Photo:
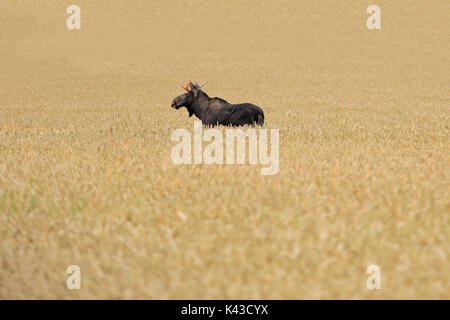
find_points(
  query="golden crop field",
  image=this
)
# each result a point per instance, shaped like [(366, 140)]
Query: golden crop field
[(87, 179)]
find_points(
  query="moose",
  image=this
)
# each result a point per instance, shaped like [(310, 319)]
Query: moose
[(216, 111)]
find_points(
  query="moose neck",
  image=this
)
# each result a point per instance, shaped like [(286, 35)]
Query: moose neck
[(200, 104)]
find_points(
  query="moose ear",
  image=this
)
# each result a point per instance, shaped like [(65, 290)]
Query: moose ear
[(193, 89)]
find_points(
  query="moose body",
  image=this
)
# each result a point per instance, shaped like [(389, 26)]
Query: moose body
[(216, 111)]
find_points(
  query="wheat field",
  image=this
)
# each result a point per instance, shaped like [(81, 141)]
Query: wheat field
[(86, 176)]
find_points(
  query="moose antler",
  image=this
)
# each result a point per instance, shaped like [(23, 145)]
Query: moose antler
[(187, 85)]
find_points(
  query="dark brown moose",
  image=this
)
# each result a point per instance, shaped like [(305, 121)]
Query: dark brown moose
[(216, 111)]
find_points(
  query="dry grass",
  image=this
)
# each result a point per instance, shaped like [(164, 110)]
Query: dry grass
[(86, 176)]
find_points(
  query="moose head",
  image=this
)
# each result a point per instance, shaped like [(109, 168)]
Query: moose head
[(186, 99)]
